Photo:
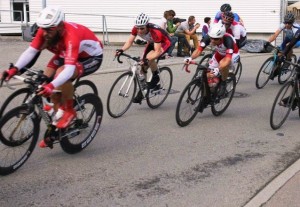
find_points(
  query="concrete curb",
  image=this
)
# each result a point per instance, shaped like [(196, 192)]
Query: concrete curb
[(267, 192)]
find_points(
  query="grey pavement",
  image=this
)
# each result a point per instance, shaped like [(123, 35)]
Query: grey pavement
[(282, 191)]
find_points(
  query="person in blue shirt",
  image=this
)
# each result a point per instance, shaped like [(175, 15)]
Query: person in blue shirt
[(224, 8), (206, 26)]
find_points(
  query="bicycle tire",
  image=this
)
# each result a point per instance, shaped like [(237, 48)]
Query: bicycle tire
[(156, 98), (277, 118), (114, 107), (85, 86), (221, 103), (238, 71), (18, 149), (285, 74), (204, 61), (15, 99), (89, 108), (188, 103), (263, 75)]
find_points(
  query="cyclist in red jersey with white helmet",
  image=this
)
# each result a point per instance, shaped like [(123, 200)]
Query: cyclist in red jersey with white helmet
[(77, 52), (158, 43), (236, 29), (226, 52)]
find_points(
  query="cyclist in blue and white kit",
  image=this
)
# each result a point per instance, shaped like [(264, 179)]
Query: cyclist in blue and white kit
[(224, 8), (289, 27)]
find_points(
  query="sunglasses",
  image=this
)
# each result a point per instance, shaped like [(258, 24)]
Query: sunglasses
[(215, 39), (288, 23), (50, 29), (141, 28)]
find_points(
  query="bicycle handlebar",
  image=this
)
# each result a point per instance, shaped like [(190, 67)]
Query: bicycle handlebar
[(137, 59), (186, 66)]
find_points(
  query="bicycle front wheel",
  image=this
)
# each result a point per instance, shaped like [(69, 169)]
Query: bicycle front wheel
[(221, 102), (121, 94), (282, 105), (17, 98), (286, 73), (85, 86), (188, 103), (19, 132), (264, 73), (155, 98), (86, 125)]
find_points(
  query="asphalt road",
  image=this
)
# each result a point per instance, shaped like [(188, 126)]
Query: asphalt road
[(145, 159)]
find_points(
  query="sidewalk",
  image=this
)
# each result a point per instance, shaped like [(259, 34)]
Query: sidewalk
[(283, 191)]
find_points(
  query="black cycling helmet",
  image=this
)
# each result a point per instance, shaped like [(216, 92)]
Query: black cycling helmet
[(225, 7), (227, 17), (289, 18)]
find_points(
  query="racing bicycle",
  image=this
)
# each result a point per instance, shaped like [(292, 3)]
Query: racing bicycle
[(273, 67), (197, 96), (124, 88), (287, 99), (20, 127), (20, 96)]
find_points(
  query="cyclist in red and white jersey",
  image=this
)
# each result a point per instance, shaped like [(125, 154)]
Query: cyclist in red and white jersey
[(225, 56), (158, 43), (236, 29), (77, 52)]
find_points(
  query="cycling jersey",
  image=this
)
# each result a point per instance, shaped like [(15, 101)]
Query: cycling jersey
[(227, 48), (76, 43), (289, 32), (155, 35), (71, 47), (239, 33)]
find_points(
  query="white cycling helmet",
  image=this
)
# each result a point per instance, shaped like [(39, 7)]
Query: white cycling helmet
[(142, 20), (50, 17), (217, 30)]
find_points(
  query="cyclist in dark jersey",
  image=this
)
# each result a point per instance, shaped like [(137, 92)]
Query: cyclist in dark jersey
[(158, 43)]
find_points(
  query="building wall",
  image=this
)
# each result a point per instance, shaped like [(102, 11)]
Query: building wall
[(260, 18)]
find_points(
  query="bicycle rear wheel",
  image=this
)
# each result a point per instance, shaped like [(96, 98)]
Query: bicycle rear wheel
[(121, 94), (85, 86), (221, 103), (263, 75), (85, 127), (280, 111), (237, 71), (15, 99), (19, 132), (188, 103), (286, 73), (155, 98)]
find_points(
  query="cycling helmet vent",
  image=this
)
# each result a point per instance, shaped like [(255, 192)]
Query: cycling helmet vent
[(227, 17), (142, 20), (50, 17), (225, 7), (289, 18), (217, 31)]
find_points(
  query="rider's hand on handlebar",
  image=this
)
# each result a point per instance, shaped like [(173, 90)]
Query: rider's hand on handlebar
[(144, 62), (187, 60), (45, 90), (215, 72), (119, 52), (282, 58), (9, 73)]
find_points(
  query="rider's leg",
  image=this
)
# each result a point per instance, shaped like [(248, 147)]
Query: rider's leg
[(67, 92)]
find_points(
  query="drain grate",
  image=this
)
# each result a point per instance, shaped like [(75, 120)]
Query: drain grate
[(240, 95)]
